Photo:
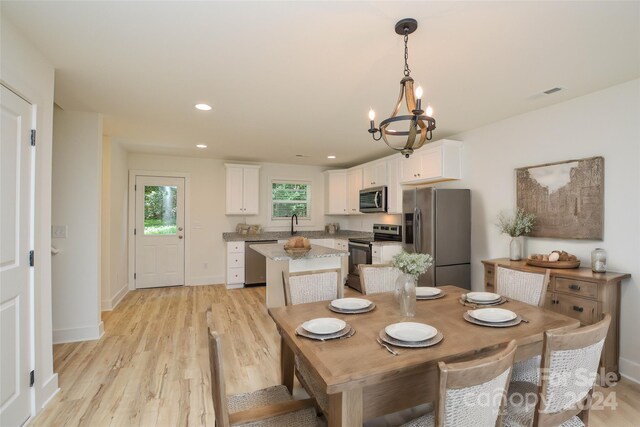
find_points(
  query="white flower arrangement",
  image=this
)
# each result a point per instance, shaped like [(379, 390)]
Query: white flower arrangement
[(414, 264)]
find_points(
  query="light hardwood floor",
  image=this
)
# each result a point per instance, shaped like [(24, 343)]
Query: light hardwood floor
[(151, 367)]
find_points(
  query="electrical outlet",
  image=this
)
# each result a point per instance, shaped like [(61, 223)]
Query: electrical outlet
[(58, 231)]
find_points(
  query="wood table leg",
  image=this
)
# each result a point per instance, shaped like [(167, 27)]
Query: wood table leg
[(287, 365), (345, 409)]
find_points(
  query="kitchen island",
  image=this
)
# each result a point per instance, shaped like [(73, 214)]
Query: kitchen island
[(279, 262)]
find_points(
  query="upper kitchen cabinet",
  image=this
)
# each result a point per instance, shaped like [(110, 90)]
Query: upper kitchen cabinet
[(354, 185), (438, 161), (374, 174), (394, 189), (336, 192), (243, 187)]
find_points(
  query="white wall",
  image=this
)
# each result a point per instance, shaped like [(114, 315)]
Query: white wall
[(26, 71), (206, 263), (114, 223), (77, 194), (604, 124)]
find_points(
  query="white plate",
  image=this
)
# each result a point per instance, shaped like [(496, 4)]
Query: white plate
[(324, 325), (411, 331), (427, 291), (350, 303), (493, 315), (482, 297)]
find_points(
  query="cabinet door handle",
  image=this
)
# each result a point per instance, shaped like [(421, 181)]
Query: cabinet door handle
[(578, 308), (574, 287)]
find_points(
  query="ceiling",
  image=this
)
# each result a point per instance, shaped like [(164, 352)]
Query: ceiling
[(298, 78)]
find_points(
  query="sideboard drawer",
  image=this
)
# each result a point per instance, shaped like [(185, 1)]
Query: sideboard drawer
[(576, 287), (579, 308), (489, 275)]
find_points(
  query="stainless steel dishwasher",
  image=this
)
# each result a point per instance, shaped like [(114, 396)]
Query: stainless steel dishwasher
[(255, 264)]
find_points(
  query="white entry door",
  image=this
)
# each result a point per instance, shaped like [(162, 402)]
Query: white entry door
[(16, 203), (159, 231)]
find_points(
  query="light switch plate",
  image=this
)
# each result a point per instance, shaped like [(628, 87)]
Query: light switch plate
[(58, 231)]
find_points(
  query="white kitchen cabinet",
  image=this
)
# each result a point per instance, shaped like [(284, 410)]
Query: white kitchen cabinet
[(394, 188), (243, 189), (235, 263), (354, 185), (328, 243), (438, 161), (336, 192), (374, 174), (341, 244), (382, 254)]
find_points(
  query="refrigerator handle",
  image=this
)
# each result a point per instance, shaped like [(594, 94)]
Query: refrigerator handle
[(417, 230)]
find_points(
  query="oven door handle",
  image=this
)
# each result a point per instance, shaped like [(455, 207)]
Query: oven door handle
[(359, 245)]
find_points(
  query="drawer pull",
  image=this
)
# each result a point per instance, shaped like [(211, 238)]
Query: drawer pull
[(578, 308), (574, 287)]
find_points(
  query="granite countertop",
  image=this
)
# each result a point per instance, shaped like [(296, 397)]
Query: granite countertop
[(282, 235), (276, 252), (385, 243)]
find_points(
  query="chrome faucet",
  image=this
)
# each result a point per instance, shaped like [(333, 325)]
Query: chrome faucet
[(296, 217)]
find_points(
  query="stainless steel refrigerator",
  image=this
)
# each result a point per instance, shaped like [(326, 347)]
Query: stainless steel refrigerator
[(438, 222)]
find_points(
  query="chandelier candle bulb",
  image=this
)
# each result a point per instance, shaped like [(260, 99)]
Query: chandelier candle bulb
[(429, 111)]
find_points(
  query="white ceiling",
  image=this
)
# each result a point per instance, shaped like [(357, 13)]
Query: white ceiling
[(287, 78)]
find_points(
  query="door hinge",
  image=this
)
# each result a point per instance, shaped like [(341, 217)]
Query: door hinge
[(31, 259), (134, 276), (135, 187), (33, 137), (32, 378), (134, 231)]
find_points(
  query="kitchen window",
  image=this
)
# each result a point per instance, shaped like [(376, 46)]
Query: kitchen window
[(290, 197)]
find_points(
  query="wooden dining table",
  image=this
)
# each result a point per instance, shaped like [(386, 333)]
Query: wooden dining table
[(363, 380)]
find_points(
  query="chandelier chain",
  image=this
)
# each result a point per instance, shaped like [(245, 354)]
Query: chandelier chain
[(407, 70)]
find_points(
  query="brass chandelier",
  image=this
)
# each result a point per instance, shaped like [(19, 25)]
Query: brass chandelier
[(420, 123)]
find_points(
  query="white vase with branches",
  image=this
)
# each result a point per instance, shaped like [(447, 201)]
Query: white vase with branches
[(516, 225)]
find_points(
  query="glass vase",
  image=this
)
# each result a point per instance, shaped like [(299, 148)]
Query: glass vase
[(599, 260), (406, 294), (515, 249)]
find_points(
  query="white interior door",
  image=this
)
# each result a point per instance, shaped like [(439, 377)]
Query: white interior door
[(16, 202), (159, 232)]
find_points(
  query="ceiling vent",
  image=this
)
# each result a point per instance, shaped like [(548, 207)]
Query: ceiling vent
[(554, 90)]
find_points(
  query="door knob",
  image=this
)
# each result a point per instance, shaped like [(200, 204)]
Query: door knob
[(179, 228), (179, 237)]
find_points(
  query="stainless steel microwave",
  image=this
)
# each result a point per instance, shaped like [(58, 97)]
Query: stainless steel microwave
[(373, 200)]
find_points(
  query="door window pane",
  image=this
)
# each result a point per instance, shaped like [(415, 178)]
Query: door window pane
[(160, 204)]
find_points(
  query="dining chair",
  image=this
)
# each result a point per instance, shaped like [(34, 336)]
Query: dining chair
[(529, 287), (377, 278), (472, 392), (268, 407), (312, 286), (570, 363)]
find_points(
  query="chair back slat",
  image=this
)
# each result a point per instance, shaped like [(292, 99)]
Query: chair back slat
[(218, 391), (377, 278), (313, 286), (472, 393), (525, 286)]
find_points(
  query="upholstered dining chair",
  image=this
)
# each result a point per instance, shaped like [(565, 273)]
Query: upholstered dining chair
[(312, 286), (529, 287), (471, 393), (269, 407), (570, 365), (376, 278)]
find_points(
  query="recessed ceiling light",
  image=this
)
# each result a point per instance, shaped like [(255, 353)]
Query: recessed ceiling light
[(331, 157), (201, 146), (203, 107)]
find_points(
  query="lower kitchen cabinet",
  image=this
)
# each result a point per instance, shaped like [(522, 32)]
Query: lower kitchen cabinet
[(235, 263), (581, 294), (382, 254)]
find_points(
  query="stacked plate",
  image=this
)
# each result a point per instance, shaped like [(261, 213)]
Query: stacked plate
[(351, 305), (493, 317), (411, 334), (484, 298), (325, 328), (427, 292)]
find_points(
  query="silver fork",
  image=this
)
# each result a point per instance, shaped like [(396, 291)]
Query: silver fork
[(389, 349)]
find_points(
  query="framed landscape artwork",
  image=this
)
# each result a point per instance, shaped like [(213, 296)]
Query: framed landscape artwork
[(567, 198)]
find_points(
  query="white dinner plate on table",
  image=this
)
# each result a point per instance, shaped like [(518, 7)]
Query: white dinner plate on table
[(411, 331), (482, 297), (324, 325), (427, 291), (492, 315), (350, 303)]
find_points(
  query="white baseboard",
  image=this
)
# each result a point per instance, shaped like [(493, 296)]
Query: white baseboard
[(630, 370), (205, 280), (47, 392), (108, 305), (235, 286), (87, 333)]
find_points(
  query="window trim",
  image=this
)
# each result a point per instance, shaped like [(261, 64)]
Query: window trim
[(309, 200)]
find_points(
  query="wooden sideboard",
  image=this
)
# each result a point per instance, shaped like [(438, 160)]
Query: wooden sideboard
[(578, 293)]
